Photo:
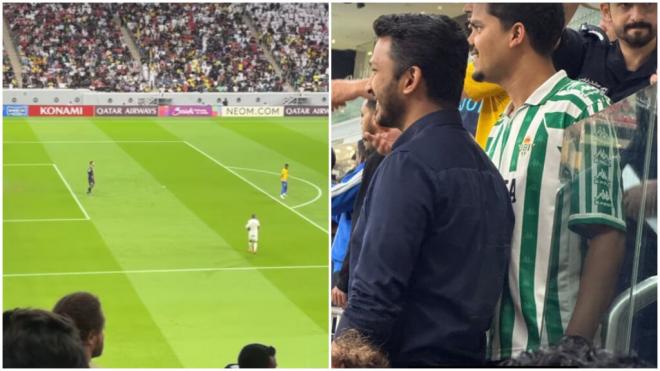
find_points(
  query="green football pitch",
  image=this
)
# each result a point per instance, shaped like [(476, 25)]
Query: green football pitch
[(162, 240)]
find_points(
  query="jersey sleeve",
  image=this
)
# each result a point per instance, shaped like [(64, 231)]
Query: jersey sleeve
[(591, 164)]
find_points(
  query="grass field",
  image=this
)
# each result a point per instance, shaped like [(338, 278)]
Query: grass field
[(162, 240)]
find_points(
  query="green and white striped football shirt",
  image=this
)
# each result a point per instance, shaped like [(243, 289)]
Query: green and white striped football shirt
[(561, 176)]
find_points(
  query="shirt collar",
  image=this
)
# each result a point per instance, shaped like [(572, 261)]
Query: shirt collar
[(617, 64), (436, 118), (542, 93), (546, 90)]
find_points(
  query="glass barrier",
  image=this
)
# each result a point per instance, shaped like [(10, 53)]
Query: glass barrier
[(350, 111), (609, 170)]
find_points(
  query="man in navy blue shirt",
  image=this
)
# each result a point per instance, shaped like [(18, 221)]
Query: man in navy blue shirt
[(90, 177), (431, 246), (621, 67)]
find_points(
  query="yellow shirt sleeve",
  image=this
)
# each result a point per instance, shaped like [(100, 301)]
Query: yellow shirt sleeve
[(479, 90)]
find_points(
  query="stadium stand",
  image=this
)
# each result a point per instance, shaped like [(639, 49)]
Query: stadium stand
[(199, 47), (297, 36), (170, 47), (71, 46), (8, 75)]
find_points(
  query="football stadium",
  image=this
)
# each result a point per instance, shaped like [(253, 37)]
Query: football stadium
[(138, 139)]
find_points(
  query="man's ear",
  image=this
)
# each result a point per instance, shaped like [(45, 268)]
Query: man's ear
[(517, 34), (605, 12), (411, 80)]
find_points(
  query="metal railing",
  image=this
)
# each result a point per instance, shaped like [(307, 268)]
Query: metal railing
[(617, 326)]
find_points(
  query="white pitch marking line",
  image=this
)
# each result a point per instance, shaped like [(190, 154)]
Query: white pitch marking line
[(27, 164), (90, 141), (43, 220), (318, 190), (255, 186), (71, 191), (10, 275)]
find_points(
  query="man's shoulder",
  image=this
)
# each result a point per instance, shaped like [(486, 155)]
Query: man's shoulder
[(589, 36), (572, 102), (437, 148), (572, 90)]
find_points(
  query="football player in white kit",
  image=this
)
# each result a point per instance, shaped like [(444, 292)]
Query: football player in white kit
[(252, 227)]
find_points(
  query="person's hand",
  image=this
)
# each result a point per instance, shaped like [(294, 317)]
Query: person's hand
[(347, 90), (632, 199), (654, 79), (339, 298), (383, 140)]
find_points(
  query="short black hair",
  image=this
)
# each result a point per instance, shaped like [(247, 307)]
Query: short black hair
[(255, 356), (544, 22), (434, 43), (35, 338), (85, 311)]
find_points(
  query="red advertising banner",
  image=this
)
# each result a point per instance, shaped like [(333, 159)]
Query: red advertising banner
[(61, 111), (126, 110)]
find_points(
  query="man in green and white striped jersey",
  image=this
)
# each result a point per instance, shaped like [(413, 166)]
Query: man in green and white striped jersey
[(566, 195)]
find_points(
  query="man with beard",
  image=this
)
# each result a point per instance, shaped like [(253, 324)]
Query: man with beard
[(567, 242), (431, 245), (85, 311), (619, 68)]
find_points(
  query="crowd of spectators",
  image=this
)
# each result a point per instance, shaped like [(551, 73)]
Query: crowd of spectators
[(8, 74), (69, 45), (182, 47), (198, 47), (544, 294), (297, 36)]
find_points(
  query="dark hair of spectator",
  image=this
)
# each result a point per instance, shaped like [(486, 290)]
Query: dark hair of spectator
[(434, 43), (544, 22), (256, 356), (574, 351), (34, 338), (352, 350), (85, 311)]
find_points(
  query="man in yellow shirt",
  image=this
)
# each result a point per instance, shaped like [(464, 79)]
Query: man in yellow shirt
[(284, 178), (495, 99)]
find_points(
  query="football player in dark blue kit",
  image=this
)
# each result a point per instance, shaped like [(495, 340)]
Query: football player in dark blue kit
[(90, 177)]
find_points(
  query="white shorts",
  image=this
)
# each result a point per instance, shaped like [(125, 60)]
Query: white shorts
[(252, 238)]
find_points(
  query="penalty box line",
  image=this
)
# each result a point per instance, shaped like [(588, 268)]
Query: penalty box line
[(68, 187)]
